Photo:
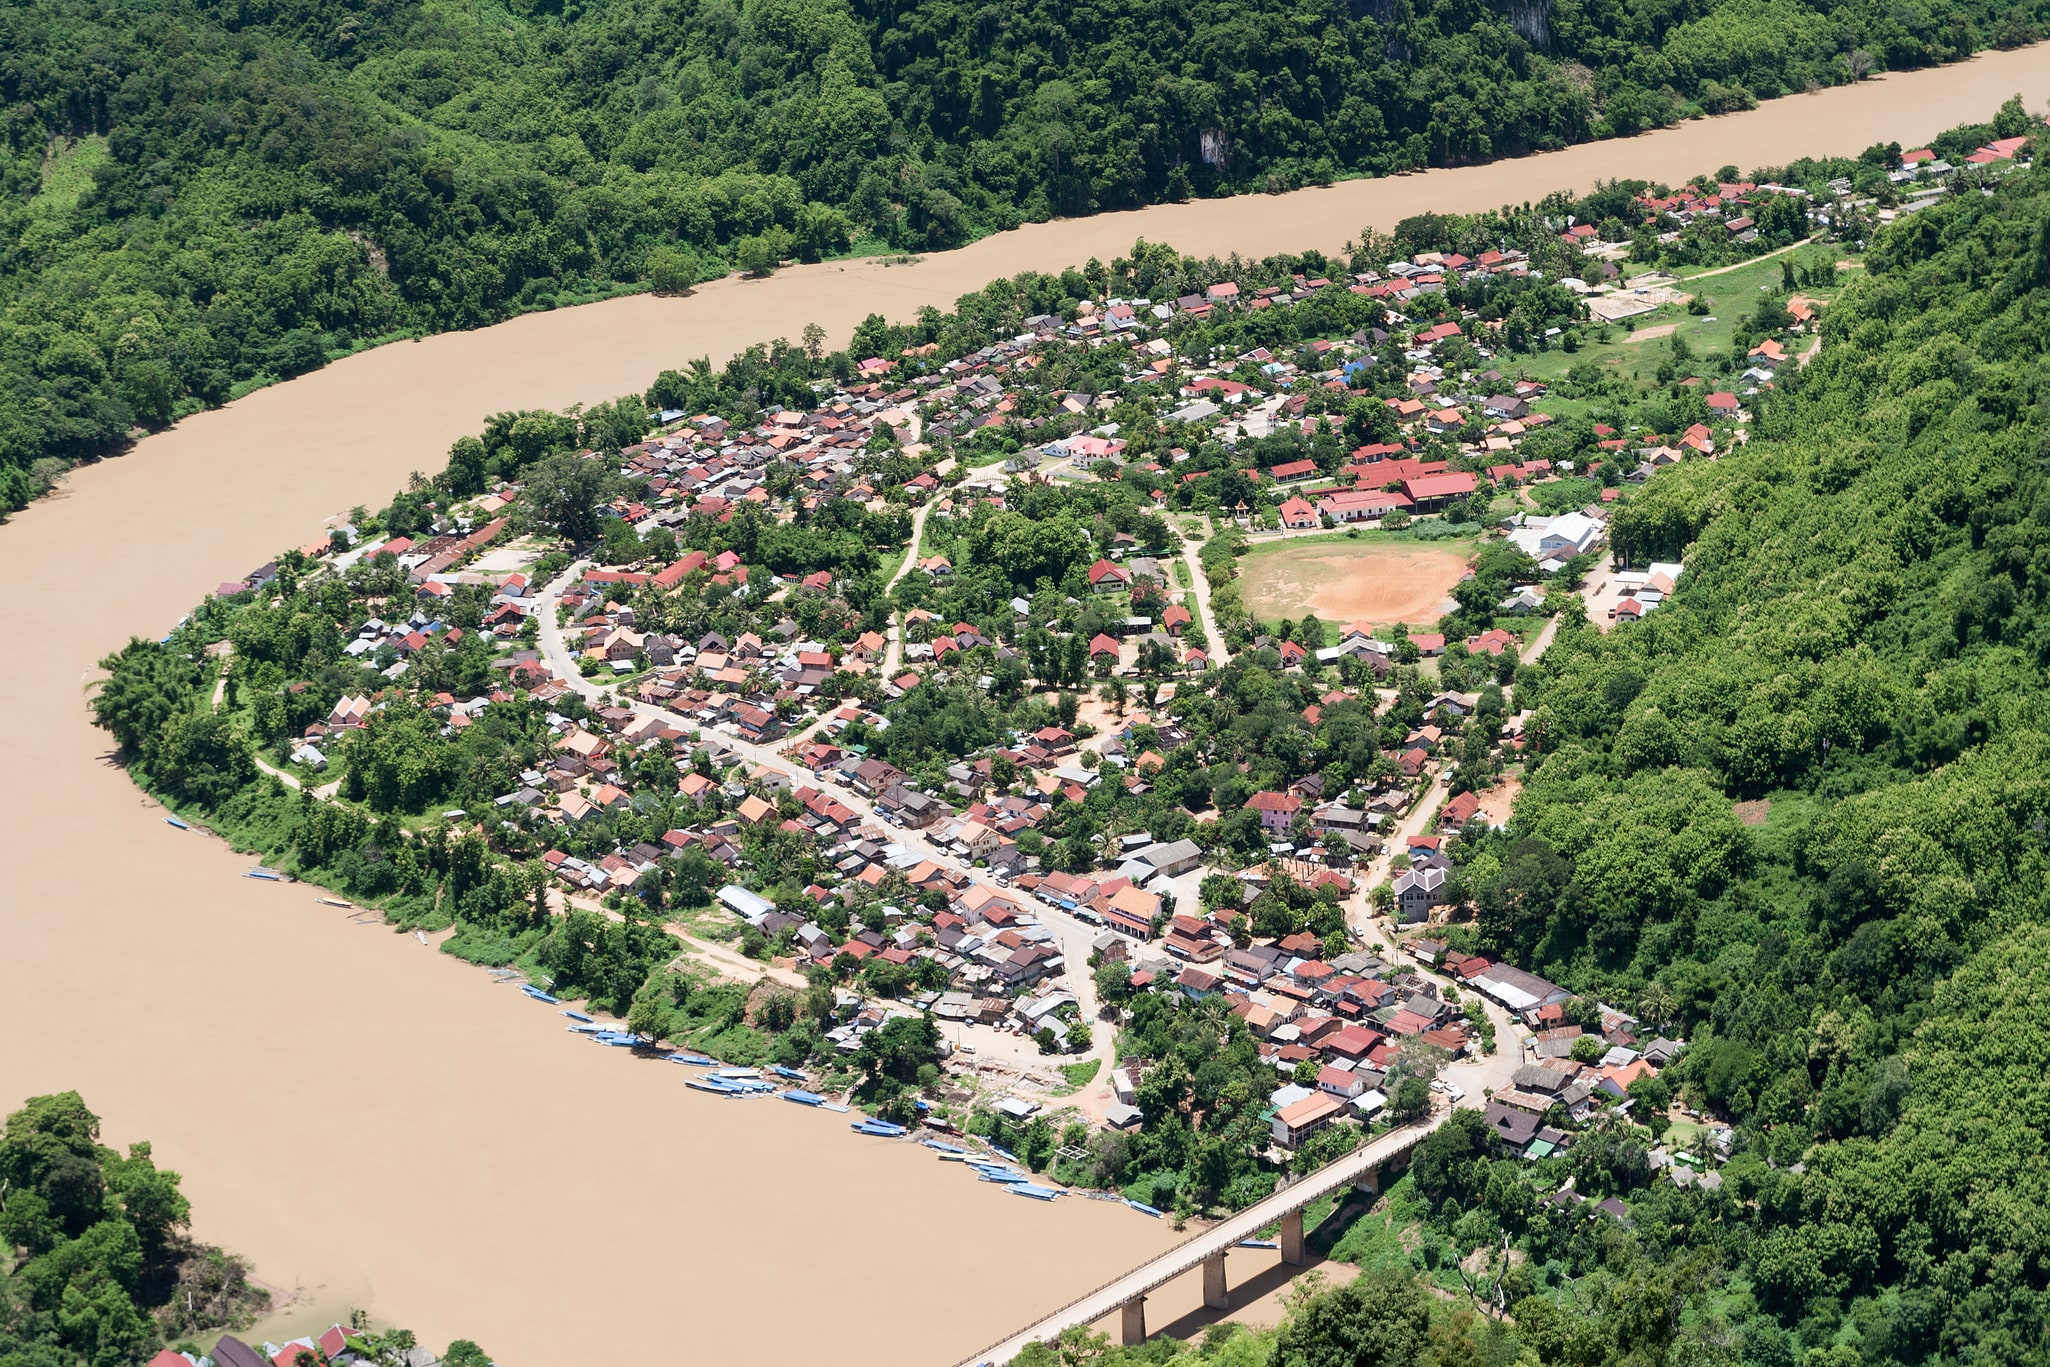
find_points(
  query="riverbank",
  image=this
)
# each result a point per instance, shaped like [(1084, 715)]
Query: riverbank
[(384, 1117)]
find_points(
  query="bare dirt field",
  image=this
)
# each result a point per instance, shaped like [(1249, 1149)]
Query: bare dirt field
[(1345, 582), (1496, 801)]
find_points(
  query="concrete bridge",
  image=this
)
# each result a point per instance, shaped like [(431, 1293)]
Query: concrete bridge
[(1127, 1293)]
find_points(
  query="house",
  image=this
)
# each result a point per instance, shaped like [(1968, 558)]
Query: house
[(1106, 576), (1298, 516), (349, 712), (1517, 990), (1428, 493), (1417, 891), (1169, 858), (1558, 538), (1277, 810), (1295, 1123), (1343, 1083), (1360, 505), (1454, 815), (1513, 1128), (1723, 404)]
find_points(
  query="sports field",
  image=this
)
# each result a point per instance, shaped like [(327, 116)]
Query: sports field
[(1344, 581)]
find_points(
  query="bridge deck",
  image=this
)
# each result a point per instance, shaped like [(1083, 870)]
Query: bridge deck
[(1193, 1251)]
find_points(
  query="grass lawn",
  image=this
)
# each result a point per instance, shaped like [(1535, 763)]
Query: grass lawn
[(1731, 296), (888, 562)]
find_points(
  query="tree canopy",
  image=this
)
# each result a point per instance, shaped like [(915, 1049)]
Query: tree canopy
[(200, 198)]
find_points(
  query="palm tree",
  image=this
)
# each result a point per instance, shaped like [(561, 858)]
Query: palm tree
[(1656, 1004)]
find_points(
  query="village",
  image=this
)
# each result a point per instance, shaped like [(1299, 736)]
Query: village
[(729, 671)]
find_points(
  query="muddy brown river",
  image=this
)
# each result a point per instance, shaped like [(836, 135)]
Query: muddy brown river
[(374, 1124)]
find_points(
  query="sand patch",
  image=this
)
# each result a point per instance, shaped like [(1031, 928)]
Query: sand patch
[(1648, 334), (1342, 582)]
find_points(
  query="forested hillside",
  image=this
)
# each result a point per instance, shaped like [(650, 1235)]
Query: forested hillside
[(1802, 812), (202, 195)]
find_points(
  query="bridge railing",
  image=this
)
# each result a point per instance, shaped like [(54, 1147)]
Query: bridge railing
[(981, 1358)]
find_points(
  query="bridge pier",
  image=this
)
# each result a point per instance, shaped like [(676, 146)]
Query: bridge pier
[(1134, 1322), (1292, 1239), (1370, 1182), (1216, 1295)]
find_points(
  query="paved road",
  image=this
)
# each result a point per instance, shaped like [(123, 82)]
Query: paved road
[(1220, 1238)]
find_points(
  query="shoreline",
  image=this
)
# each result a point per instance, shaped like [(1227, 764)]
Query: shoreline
[(409, 1126), (1330, 215)]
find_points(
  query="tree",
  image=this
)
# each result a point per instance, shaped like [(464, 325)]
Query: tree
[(149, 685), (671, 271), (761, 253), (202, 756), (1114, 982), (648, 1019), (1411, 1099), (1382, 1319), (891, 1055), (565, 492), (622, 543)]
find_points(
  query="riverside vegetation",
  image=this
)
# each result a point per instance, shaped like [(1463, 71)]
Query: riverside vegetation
[(97, 1268), (1855, 654), (197, 199)]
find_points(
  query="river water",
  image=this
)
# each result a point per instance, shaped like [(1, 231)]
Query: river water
[(374, 1124)]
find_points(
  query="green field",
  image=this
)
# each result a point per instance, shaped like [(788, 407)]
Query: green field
[(1731, 295)]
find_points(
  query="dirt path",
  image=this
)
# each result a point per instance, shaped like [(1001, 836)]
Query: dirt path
[(893, 654), (1199, 587), (1542, 641), (1740, 265)]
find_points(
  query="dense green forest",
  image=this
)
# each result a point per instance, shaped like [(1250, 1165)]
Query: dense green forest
[(1800, 813), (1799, 816), (198, 196)]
